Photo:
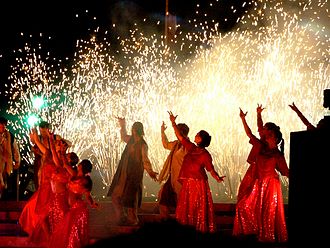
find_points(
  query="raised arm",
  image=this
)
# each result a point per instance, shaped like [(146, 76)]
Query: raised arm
[(123, 132), (56, 157), (260, 123), (166, 144), (246, 126), (301, 116), (164, 137), (35, 139), (67, 165), (175, 127)]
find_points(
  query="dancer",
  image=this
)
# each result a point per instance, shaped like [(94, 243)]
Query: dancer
[(43, 137), (323, 123), (126, 187), (169, 174), (37, 207), (261, 130), (58, 203), (260, 207), (308, 125), (10, 160), (195, 204), (73, 230)]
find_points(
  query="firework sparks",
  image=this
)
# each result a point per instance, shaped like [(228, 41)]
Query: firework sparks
[(274, 57)]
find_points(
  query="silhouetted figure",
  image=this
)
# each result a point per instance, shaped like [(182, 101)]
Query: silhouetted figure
[(323, 123), (126, 187), (309, 183)]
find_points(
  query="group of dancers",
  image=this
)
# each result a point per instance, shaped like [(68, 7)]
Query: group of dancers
[(184, 181), (259, 208), (56, 215)]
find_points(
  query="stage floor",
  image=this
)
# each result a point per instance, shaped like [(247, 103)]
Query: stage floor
[(104, 229)]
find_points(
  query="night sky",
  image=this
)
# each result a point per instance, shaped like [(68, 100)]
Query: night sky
[(66, 21)]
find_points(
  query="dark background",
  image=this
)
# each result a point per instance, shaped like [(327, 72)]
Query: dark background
[(25, 21), (57, 25)]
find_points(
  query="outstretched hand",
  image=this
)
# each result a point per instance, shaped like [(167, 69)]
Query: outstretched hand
[(121, 120), (163, 127), (259, 108), (172, 116), (241, 113), (293, 107)]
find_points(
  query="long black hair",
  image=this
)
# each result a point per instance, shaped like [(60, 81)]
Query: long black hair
[(206, 138), (277, 133)]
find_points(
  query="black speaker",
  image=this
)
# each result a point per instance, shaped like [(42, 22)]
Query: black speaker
[(309, 188)]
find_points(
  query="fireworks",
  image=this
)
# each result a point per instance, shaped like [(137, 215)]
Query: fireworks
[(275, 56)]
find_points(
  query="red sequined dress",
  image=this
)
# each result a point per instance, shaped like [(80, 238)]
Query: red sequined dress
[(73, 230), (260, 207), (37, 207), (59, 204), (195, 204)]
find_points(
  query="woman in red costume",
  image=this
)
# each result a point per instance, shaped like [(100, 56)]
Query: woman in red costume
[(260, 208), (195, 204), (59, 205), (73, 230), (36, 209)]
